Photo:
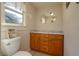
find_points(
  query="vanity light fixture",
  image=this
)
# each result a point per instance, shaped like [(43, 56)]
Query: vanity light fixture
[(51, 17)]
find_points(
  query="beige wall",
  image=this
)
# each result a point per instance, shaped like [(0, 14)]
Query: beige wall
[(30, 19), (71, 29), (55, 26), (0, 28), (22, 31)]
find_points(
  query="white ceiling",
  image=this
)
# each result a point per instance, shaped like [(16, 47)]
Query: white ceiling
[(45, 4)]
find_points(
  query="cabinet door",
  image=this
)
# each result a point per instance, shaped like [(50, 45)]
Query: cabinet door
[(59, 46), (34, 41), (52, 48), (55, 45)]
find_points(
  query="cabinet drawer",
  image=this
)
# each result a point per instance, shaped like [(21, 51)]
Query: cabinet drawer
[(44, 39), (56, 36), (59, 37), (44, 35), (44, 44), (44, 48), (51, 36)]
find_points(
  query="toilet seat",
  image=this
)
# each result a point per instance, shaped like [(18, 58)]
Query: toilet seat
[(22, 53)]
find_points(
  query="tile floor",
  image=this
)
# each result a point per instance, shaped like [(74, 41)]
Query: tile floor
[(35, 53)]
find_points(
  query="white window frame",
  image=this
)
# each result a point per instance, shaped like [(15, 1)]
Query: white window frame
[(11, 24)]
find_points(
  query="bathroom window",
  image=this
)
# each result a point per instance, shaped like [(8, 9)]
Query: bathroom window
[(13, 12)]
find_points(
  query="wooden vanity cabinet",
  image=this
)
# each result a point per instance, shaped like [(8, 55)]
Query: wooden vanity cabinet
[(47, 43), (34, 41)]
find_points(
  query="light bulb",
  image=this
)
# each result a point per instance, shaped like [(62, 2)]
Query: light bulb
[(43, 20), (54, 19), (51, 13)]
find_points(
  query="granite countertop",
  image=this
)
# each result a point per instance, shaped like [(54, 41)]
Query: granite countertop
[(48, 32)]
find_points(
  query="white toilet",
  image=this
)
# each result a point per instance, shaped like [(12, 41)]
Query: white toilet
[(10, 47)]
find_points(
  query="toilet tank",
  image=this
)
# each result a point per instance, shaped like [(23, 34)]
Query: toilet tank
[(10, 46)]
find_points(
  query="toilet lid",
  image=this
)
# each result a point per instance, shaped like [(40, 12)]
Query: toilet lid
[(22, 53)]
